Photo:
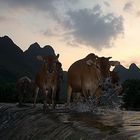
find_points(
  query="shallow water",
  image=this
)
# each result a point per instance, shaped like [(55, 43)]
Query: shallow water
[(27, 123)]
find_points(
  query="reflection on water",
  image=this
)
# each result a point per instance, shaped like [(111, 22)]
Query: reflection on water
[(120, 125), (109, 121)]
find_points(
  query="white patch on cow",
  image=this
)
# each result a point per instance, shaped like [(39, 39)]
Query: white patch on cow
[(89, 62)]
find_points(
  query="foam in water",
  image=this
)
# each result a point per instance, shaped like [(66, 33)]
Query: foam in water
[(108, 100)]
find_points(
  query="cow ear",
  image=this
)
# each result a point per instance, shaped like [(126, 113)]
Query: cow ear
[(89, 62), (96, 56), (109, 58), (114, 63), (39, 58), (57, 56), (98, 65)]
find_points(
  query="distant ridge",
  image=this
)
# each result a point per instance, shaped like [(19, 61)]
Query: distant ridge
[(6, 45), (15, 63), (35, 50), (133, 72)]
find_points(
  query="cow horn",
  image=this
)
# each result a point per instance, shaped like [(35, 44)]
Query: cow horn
[(96, 56), (114, 63), (57, 56), (109, 58), (89, 62)]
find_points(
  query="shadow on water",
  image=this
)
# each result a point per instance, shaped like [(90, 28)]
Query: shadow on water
[(26, 123)]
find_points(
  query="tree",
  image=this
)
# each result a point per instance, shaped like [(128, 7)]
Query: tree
[(131, 96)]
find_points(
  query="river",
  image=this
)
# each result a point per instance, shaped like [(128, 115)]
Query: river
[(27, 123)]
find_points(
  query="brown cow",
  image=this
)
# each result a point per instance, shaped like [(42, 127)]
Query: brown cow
[(115, 80), (84, 77), (24, 89), (87, 74), (104, 65), (59, 80), (109, 78), (114, 77), (47, 79)]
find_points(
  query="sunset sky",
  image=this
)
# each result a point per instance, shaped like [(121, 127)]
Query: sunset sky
[(75, 28)]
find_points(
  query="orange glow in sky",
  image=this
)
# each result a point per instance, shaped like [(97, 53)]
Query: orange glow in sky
[(75, 28)]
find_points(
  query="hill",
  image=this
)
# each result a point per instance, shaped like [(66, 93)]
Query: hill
[(133, 72), (14, 63)]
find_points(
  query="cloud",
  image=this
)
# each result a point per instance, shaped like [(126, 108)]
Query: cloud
[(2, 19), (128, 6), (106, 4), (138, 13), (90, 27), (47, 5), (77, 26), (28, 5), (50, 9)]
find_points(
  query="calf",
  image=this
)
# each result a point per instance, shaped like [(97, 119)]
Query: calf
[(47, 79), (59, 80), (23, 88)]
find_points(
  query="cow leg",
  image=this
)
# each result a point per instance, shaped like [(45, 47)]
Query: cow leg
[(77, 97), (49, 97), (69, 93), (53, 98), (35, 97), (45, 93), (85, 93), (98, 94), (20, 97)]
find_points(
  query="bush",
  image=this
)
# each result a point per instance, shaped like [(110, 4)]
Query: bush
[(8, 92), (131, 95)]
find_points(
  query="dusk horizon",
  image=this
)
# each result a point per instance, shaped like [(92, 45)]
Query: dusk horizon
[(125, 66), (75, 28)]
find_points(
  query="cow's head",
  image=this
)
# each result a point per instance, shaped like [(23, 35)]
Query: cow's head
[(104, 65), (91, 59), (114, 77), (50, 62), (59, 66)]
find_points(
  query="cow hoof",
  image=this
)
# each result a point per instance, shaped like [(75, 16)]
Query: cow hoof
[(67, 106), (45, 109), (53, 107), (21, 105), (34, 106)]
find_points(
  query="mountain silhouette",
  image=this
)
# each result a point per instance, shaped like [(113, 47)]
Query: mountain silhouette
[(133, 72), (32, 52), (14, 63), (7, 45), (35, 50)]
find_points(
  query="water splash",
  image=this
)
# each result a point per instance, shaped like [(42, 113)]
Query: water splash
[(109, 100)]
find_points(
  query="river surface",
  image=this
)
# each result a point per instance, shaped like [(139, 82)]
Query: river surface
[(27, 123)]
